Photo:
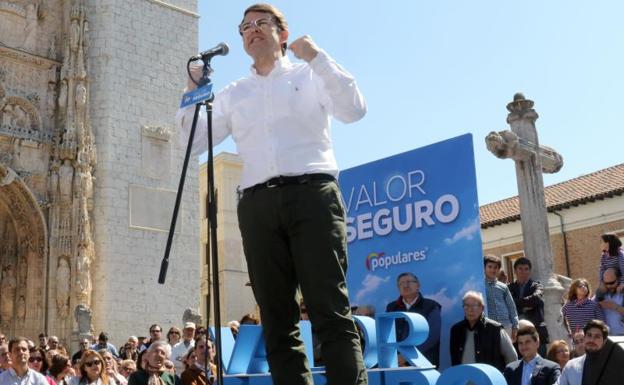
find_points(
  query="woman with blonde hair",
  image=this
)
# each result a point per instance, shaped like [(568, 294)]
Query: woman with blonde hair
[(580, 308), (559, 352), (110, 367), (91, 369)]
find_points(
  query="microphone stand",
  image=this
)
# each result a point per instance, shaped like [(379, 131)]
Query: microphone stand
[(211, 213)]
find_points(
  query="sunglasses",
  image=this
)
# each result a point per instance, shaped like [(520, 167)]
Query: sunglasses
[(35, 359), (94, 362), (611, 283)]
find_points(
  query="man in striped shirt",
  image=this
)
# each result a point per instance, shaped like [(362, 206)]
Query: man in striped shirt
[(500, 303)]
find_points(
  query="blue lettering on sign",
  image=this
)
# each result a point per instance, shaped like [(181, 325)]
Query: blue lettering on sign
[(198, 95), (245, 363)]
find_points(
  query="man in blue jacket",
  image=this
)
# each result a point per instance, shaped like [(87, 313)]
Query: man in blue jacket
[(531, 369)]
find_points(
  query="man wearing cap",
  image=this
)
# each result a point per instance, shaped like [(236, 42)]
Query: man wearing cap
[(180, 349)]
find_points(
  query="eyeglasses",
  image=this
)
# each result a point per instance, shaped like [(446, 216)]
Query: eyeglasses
[(94, 362), (611, 283), (473, 306), (174, 333), (407, 283), (262, 23), (35, 359)]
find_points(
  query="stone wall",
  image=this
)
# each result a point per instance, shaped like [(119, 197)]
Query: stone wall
[(138, 53)]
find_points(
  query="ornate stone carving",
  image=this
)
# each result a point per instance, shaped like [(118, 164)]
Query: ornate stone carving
[(21, 309), (7, 176), (30, 29), (82, 313), (7, 300), (62, 288), (157, 132), (66, 176), (191, 315), (83, 275)]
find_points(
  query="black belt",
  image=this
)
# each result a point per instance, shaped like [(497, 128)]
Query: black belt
[(280, 181)]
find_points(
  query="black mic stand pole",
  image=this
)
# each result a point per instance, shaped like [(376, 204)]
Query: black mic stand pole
[(212, 220)]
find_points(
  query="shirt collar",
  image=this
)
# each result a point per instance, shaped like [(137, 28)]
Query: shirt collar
[(14, 374), (280, 65), (533, 362)]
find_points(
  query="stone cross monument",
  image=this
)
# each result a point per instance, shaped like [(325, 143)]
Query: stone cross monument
[(521, 144)]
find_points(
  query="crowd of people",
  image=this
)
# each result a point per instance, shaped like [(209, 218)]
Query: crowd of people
[(505, 326), (179, 359)]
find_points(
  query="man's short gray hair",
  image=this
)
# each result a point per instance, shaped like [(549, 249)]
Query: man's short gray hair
[(474, 294), (160, 344)]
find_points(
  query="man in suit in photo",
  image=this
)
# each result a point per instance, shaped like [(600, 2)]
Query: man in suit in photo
[(531, 369), (528, 297)]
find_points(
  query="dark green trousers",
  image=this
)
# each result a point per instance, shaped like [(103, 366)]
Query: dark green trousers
[(293, 236)]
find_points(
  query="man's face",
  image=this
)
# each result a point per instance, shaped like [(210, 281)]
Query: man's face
[(188, 333), (527, 347), (43, 341), (260, 35), (522, 272), (84, 344), (610, 281), (155, 333), (472, 309), (594, 340), (408, 286), (157, 357), (5, 357), (20, 354), (53, 342), (491, 270), (133, 343)]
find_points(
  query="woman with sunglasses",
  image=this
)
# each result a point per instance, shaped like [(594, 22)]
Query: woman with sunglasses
[(580, 308), (110, 367), (39, 363), (91, 370), (173, 335)]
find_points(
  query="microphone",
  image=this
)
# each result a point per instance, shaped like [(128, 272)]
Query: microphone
[(220, 49)]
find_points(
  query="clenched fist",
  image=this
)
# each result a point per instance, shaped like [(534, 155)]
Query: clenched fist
[(304, 48)]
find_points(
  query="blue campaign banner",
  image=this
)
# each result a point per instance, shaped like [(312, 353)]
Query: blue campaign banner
[(415, 212), (197, 95)]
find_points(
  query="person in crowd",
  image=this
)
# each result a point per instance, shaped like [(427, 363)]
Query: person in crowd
[(154, 370), (612, 302), (249, 319), (169, 367), (189, 359), (37, 361), (580, 308), (196, 373), (500, 304), (290, 215), (53, 343), (234, 325), (155, 332), (559, 352), (83, 345), (528, 295), (531, 368), (411, 300), (5, 357), (612, 257), (142, 360), (104, 344), (478, 339), (502, 277), (127, 367), (110, 367), (578, 344), (91, 369), (141, 341), (173, 335), (20, 372), (179, 350), (129, 350), (602, 363), (43, 341), (61, 369)]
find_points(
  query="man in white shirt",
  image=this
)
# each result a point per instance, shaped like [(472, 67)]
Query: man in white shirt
[(179, 350), (291, 215), (19, 373)]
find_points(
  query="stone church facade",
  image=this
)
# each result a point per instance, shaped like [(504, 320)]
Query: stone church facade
[(89, 164)]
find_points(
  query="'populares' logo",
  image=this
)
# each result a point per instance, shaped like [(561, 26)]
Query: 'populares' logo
[(381, 260), (372, 260)]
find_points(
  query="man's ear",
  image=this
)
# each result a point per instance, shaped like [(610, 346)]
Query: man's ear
[(283, 36)]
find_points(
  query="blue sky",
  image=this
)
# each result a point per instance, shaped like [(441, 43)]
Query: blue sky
[(438, 69)]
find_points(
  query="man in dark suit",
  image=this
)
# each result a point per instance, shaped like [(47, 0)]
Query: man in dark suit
[(527, 295), (531, 369)]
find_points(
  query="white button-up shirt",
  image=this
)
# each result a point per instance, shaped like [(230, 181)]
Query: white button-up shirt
[(9, 377), (281, 122)]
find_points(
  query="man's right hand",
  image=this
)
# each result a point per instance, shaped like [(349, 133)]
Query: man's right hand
[(196, 72)]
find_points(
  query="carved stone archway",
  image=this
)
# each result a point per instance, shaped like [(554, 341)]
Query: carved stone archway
[(23, 273)]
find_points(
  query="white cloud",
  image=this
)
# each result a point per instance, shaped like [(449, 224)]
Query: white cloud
[(467, 233), (447, 302), (370, 285)]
